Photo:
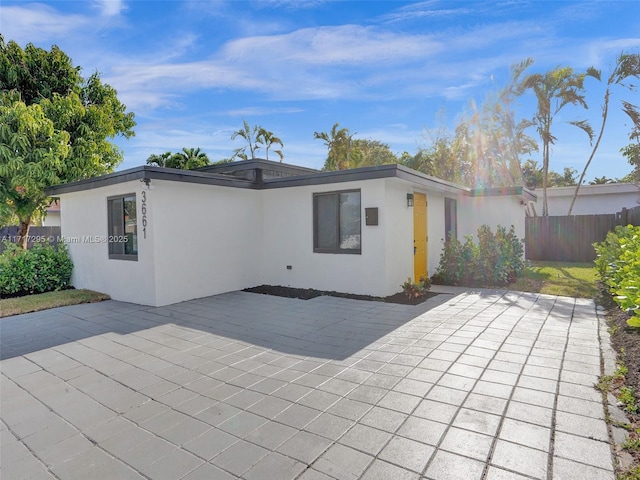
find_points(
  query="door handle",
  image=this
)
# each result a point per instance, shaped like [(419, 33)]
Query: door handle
[(415, 250)]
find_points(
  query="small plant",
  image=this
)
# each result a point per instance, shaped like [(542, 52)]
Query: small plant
[(628, 400), (621, 368), (632, 443), (416, 290), (632, 474)]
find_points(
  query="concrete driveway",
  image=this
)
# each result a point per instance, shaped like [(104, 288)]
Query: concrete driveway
[(489, 385)]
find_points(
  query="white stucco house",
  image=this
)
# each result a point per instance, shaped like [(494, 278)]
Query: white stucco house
[(157, 236), (593, 199)]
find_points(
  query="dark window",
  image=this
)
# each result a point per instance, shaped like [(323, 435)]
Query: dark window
[(450, 218), (123, 227), (337, 222)]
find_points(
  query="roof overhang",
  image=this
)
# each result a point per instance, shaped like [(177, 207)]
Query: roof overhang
[(147, 172), (298, 176), (525, 193)]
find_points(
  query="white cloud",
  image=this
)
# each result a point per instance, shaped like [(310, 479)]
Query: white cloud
[(423, 10), (260, 111), (37, 22), (110, 8), (347, 45)]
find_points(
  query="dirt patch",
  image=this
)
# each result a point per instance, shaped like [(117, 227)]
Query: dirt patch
[(625, 341), (309, 293)]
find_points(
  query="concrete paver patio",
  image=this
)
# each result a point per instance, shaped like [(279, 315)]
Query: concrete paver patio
[(486, 385)]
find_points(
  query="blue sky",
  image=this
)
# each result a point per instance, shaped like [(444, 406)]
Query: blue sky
[(192, 70)]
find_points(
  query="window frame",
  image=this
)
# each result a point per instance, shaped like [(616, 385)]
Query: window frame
[(450, 218), (336, 249), (110, 227)]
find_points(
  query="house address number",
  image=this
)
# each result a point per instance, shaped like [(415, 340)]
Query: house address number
[(143, 209)]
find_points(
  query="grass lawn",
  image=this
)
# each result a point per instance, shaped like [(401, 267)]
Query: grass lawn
[(43, 301), (559, 278)]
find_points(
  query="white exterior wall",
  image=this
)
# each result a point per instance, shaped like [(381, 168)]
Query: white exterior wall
[(84, 216), (397, 220), (473, 212), (435, 230), (203, 240), (52, 219), (207, 239), (287, 239), (592, 199)]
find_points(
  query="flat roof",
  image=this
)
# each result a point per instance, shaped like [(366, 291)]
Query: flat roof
[(294, 177)]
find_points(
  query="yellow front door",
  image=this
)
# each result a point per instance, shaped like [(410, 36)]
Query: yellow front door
[(419, 236)]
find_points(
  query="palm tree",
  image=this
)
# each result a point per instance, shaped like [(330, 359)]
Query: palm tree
[(190, 158), (251, 136), (187, 159), (627, 65), (268, 139), (160, 160), (554, 90), (341, 154), (601, 181)]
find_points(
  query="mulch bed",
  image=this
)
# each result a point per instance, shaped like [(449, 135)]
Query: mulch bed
[(309, 293)]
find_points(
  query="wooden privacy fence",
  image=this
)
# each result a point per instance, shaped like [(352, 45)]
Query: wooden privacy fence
[(571, 238), (50, 235)]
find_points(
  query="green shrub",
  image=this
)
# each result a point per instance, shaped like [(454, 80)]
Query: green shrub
[(618, 264), (495, 260), (416, 290), (41, 269)]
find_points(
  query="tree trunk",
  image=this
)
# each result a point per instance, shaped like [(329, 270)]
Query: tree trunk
[(545, 176), (605, 112), (23, 232)]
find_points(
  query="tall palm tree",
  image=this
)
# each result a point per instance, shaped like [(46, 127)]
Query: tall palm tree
[(251, 136), (627, 66), (341, 154), (554, 90), (268, 139)]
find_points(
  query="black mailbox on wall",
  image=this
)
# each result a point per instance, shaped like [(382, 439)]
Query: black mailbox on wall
[(371, 216)]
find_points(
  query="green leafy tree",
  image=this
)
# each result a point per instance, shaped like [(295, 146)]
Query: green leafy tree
[(341, 154), (565, 179), (487, 144), (56, 127), (372, 153), (268, 139), (160, 159), (190, 158), (554, 90), (531, 174), (187, 159), (32, 158), (627, 67)]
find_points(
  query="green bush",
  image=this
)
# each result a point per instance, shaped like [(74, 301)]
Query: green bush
[(416, 290), (618, 264), (41, 269), (495, 260)]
